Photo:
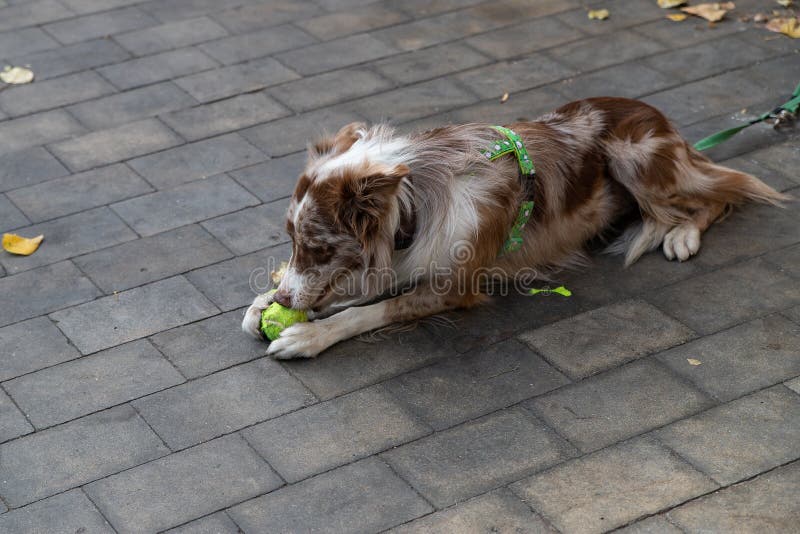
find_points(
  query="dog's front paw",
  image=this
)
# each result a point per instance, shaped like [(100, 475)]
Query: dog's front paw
[(682, 242), (251, 324), (301, 340)]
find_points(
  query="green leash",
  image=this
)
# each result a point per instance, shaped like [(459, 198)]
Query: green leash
[(713, 140)]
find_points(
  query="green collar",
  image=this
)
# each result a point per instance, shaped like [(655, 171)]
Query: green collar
[(513, 144)]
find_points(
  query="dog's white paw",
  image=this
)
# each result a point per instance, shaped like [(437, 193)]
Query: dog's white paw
[(251, 324), (682, 242), (301, 340)]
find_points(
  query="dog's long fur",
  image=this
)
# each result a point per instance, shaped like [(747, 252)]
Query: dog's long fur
[(597, 161)]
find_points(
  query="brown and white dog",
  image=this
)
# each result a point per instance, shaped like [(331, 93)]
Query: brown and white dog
[(375, 213)]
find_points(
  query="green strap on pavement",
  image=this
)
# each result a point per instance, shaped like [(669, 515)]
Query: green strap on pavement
[(713, 140)]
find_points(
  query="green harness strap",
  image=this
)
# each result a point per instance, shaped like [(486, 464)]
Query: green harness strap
[(513, 144), (713, 140)]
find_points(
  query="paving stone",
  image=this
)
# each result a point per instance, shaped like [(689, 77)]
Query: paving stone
[(12, 422), (172, 35), (616, 405), (335, 54), (705, 60), (32, 14), (63, 196), (329, 88), (741, 438), (291, 134), (746, 163), (464, 461), (91, 6), (156, 68), (70, 390), (253, 45), (115, 144), (182, 486), (606, 337), (498, 511), (354, 363), (326, 435), (602, 51), (40, 96), (66, 456), (99, 25), (429, 63), (652, 525), (68, 236), (197, 160), (225, 116), (153, 258), (20, 356), (185, 204), (624, 13), (28, 167), (223, 402), (743, 359), (10, 216), (458, 389), (235, 79), (693, 102), (68, 512), (498, 78), (631, 80), (786, 259), (794, 385), (763, 504), (594, 493), (273, 179), (26, 132), (362, 497), (343, 23), (705, 304), (131, 106), (423, 8), (780, 158), (522, 39), (73, 58), (234, 283), (116, 319), (254, 16), (524, 105), (209, 345), (251, 229), (218, 523), (183, 9), (25, 41), (414, 101), (43, 290), (695, 32)]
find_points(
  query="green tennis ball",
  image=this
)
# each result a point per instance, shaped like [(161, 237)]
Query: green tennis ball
[(275, 318)]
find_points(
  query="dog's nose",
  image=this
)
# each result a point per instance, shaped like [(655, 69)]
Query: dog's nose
[(283, 297)]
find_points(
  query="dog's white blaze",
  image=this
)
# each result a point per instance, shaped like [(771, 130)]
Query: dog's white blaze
[(369, 149)]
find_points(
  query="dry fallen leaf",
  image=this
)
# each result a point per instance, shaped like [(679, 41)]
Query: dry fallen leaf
[(785, 3), (16, 75), (712, 12), (786, 26), (598, 14), (677, 17), (692, 361), (504, 98), (23, 246), (666, 4)]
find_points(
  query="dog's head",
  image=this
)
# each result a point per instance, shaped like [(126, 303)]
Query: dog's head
[(342, 218)]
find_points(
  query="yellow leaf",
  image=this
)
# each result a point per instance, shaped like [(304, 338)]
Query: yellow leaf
[(16, 75), (785, 3), (666, 4), (712, 12), (677, 17), (21, 245), (692, 361), (504, 98), (598, 14), (786, 26)]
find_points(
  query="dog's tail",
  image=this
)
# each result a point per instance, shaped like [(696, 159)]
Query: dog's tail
[(714, 187)]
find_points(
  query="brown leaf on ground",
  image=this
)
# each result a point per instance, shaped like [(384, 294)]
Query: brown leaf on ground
[(16, 75), (692, 361), (598, 14), (504, 98), (666, 4), (786, 25), (677, 17), (712, 12)]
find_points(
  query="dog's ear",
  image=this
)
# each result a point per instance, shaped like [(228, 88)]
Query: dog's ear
[(338, 143), (366, 198)]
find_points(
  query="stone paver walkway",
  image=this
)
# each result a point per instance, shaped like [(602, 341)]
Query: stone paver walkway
[(156, 150)]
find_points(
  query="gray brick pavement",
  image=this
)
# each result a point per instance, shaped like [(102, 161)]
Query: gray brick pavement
[(156, 150)]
